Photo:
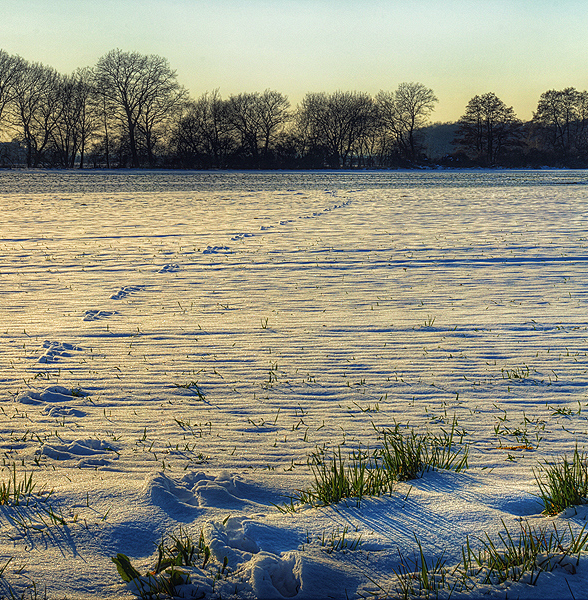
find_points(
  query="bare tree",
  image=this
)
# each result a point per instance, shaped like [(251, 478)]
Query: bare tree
[(272, 115), (163, 101), (488, 129), (78, 119), (106, 123), (404, 112), (204, 135), (85, 115), (335, 123), (37, 108), (242, 113), (561, 123), (257, 118), (139, 90), (11, 70)]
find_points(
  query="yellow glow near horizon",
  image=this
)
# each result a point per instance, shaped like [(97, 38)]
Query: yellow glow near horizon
[(516, 49)]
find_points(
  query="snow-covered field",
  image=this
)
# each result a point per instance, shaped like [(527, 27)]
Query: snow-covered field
[(175, 345)]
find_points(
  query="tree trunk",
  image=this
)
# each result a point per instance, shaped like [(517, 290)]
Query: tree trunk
[(133, 144)]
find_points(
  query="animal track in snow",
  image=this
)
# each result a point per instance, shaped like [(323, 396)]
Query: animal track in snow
[(271, 577), (199, 489), (97, 314), (170, 267), (262, 574), (174, 496), (85, 452), (55, 393), (241, 236), (125, 291), (227, 491), (52, 410), (55, 350), (213, 250)]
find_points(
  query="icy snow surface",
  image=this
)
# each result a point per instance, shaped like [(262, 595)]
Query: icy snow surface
[(175, 345)]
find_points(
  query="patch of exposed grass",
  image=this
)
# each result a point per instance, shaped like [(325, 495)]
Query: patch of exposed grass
[(428, 323), (19, 490), (406, 456), (563, 483), (337, 478), (192, 387), (518, 373), (337, 540), (403, 455), (519, 556), (179, 559), (25, 506)]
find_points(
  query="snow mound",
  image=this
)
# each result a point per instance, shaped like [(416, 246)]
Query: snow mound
[(238, 568), (228, 492), (173, 496), (245, 570), (273, 577), (229, 541)]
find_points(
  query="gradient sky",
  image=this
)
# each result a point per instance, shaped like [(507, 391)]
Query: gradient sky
[(517, 49)]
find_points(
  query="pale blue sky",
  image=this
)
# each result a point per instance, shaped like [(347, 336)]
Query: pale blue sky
[(459, 48)]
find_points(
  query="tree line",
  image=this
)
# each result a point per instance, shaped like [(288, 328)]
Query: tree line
[(129, 110)]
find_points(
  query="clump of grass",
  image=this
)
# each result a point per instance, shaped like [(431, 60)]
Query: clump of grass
[(338, 540), (402, 456), (518, 373), (182, 551), (25, 506), (518, 557), (512, 557), (193, 387), (417, 577), (332, 480), (406, 456), (429, 321), (175, 558), (565, 483), (336, 479), (19, 490)]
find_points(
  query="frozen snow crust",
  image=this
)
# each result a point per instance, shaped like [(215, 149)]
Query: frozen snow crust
[(174, 346)]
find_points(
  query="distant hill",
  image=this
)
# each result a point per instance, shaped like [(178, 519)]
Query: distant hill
[(437, 138)]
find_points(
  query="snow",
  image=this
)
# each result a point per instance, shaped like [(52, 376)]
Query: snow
[(175, 345)]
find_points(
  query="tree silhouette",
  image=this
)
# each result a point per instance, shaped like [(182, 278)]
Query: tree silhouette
[(257, 118), (11, 71), (488, 129), (37, 108), (140, 90), (335, 124), (405, 111), (561, 123)]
